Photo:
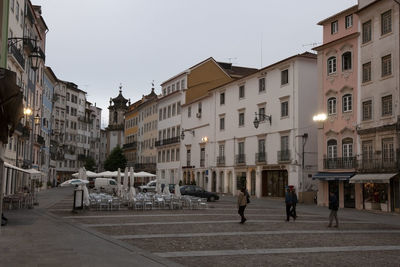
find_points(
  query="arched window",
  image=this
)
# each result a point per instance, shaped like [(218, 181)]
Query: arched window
[(347, 103), (115, 117), (331, 65), (346, 61), (347, 148), (331, 106), (332, 149)]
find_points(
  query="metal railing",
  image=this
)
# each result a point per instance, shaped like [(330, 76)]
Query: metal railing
[(132, 145), (261, 157), (340, 163), (202, 162), (283, 155), (17, 55), (220, 160), (378, 165), (240, 159), (168, 141)]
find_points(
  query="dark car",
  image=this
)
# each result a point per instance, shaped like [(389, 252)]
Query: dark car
[(197, 191)]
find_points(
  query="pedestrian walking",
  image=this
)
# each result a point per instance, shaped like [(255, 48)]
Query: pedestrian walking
[(294, 203), (242, 202), (288, 202), (333, 206)]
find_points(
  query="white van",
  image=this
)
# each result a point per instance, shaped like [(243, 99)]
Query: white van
[(106, 184)]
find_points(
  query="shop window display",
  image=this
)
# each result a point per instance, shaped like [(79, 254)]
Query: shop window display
[(376, 196)]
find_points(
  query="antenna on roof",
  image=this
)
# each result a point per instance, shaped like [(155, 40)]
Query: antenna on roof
[(230, 59)]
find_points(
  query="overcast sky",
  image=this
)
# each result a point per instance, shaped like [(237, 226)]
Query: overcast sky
[(99, 44)]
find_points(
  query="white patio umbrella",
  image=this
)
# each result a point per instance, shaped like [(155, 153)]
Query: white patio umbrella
[(126, 177), (83, 176), (177, 191), (132, 191), (88, 174), (132, 176), (74, 182)]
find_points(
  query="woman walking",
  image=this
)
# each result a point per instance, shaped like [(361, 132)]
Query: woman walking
[(242, 202)]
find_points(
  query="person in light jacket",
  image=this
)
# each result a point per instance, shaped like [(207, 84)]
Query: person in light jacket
[(242, 202)]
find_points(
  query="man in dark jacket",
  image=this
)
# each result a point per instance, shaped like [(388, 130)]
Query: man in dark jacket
[(289, 200), (333, 206)]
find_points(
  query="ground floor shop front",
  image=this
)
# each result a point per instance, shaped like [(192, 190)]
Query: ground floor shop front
[(373, 191), (260, 181)]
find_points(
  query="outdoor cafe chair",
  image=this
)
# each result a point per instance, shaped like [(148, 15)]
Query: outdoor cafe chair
[(203, 203), (138, 203)]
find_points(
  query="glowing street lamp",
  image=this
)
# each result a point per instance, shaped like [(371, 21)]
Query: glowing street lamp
[(320, 117)]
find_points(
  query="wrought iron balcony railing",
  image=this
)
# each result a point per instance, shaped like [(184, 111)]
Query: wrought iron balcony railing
[(168, 141), (202, 162), (240, 159), (132, 145), (340, 163), (261, 157), (17, 54), (220, 160), (283, 155), (378, 165)]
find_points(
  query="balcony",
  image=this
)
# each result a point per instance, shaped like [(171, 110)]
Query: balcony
[(221, 161), (240, 159), (340, 163), (378, 165), (17, 54), (169, 141), (39, 139), (85, 119), (132, 145), (202, 162), (284, 156), (261, 157), (149, 167)]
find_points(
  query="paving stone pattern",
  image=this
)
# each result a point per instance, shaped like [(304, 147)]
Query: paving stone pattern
[(214, 237)]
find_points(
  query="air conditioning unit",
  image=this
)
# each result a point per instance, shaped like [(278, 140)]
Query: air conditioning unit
[(198, 115)]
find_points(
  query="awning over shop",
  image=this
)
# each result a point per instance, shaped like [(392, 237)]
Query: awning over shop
[(333, 176), (372, 178)]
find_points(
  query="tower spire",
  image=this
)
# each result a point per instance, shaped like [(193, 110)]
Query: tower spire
[(120, 88)]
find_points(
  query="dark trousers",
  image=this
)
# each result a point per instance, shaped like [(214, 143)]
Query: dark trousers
[(288, 207), (241, 212)]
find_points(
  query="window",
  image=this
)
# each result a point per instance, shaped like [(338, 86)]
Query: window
[(331, 106), (347, 148), (222, 123), (285, 143), (261, 146), (241, 91), (173, 150), (261, 85), (241, 119), (386, 65), (189, 112), (261, 113), (366, 72), (222, 98), (178, 86), (285, 109), (346, 61), (241, 148), (367, 150), (386, 22), (284, 77), (367, 110), (347, 103), (387, 105), (334, 27), (366, 32), (188, 156), (183, 84), (173, 109), (331, 65), (332, 149), (164, 113), (221, 150), (349, 21), (168, 89), (199, 107), (169, 111), (17, 12), (178, 108), (177, 154), (173, 87), (387, 150), (202, 156)]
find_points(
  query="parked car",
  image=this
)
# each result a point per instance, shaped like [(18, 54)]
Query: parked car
[(149, 187), (106, 184), (197, 191)]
